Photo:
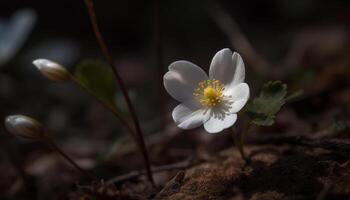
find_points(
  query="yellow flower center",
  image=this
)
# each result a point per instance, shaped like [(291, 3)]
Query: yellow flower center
[(209, 93)]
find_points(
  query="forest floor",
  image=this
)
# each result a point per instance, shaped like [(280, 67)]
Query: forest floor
[(272, 172)]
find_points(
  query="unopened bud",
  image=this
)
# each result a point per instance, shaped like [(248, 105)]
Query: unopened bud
[(23, 126), (52, 70)]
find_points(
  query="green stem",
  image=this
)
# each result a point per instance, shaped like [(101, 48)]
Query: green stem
[(239, 140), (241, 147), (242, 137), (237, 143)]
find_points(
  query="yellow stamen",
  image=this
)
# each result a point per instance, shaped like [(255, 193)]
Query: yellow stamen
[(209, 92)]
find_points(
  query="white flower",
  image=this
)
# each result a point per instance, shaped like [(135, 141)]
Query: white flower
[(51, 70), (213, 101)]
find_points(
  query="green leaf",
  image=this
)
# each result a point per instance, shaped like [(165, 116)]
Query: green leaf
[(262, 110), (260, 119), (98, 78)]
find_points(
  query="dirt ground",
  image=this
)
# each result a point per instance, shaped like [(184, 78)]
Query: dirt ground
[(273, 173)]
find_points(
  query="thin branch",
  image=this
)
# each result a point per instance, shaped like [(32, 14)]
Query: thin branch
[(134, 174), (108, 57)]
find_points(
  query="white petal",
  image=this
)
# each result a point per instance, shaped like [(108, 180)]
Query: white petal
[(221, 67), (182, 78), (228, 68), (187, 118), (216, 124), (240, 69), (239, 96)]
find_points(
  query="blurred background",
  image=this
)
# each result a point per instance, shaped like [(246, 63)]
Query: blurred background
[(304, 43)]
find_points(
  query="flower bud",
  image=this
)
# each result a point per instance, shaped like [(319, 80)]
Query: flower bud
[(52, 70), (23, 126)]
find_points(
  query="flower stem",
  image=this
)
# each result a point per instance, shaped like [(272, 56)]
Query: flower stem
[(108, 57), (242, 138), (241, 147), (239, 140), (52, 144)]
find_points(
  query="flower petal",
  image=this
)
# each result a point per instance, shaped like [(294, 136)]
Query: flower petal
[(216, 124), (182, 78), (221, 67), (187, 118), (228, 68), (240, 69), (239, 96)]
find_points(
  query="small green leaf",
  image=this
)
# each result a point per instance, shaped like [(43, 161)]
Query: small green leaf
[(98, 78), (260, 119), (262, 109)]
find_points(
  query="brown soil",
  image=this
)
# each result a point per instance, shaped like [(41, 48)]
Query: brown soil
[(274, 173)]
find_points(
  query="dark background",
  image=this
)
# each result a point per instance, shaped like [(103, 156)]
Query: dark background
[(277, 30)]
